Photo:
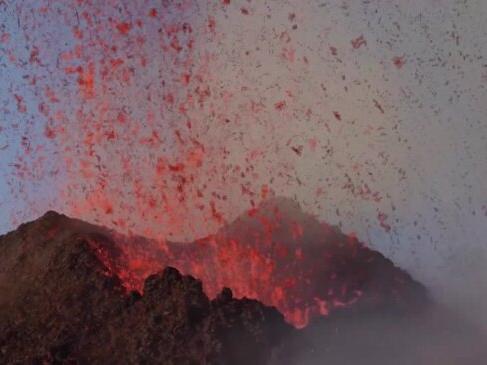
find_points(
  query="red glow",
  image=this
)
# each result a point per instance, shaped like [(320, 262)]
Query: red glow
[(150, 136), (278, 255)]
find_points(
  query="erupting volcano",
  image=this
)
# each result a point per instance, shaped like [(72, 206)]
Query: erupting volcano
[(73, 292), (281, 256), (172, 136)]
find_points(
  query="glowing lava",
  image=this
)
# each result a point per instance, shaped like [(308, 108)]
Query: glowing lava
[(282, 257)]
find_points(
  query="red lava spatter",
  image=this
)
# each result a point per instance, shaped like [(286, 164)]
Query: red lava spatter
[(125, 115), (128, 120), (284, 258)]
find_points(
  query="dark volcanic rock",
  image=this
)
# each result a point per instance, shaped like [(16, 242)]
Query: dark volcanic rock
[(61, 303), (66, 298)]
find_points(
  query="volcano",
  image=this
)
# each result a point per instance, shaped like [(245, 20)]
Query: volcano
[(62, 303), (281, 256), (73, 292)]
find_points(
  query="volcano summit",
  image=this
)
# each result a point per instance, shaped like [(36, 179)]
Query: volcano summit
[(73, 292)]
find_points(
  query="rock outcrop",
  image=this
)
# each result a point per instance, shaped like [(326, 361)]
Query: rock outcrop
[(61, 303), (67, 297)]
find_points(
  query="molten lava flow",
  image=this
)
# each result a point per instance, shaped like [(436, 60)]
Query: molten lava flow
[(282, 257)]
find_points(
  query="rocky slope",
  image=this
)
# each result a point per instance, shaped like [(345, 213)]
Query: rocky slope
[(67, 298), (61, 303)]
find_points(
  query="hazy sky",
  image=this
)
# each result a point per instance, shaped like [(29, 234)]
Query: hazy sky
[(167, 118)]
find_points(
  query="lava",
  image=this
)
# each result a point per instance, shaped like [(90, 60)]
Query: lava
[(140, 135), (281, 256)]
